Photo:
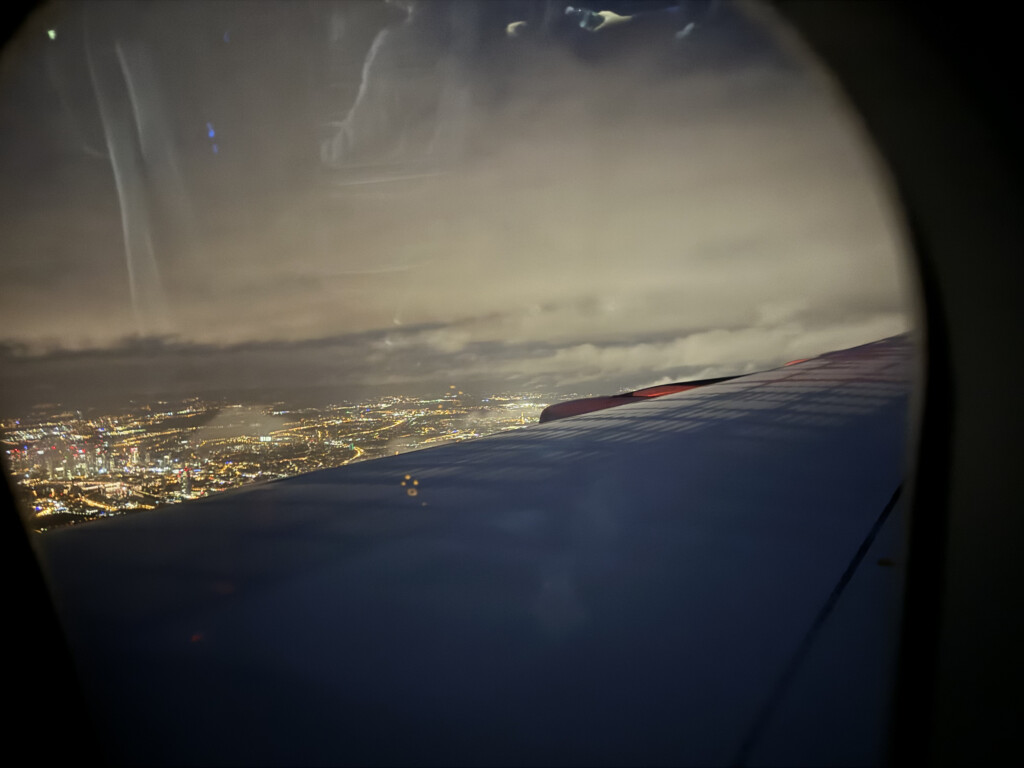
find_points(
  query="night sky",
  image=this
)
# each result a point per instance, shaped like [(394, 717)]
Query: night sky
[(389, 197)]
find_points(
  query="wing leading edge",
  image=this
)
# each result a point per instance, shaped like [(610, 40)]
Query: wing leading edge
[(707, 577)]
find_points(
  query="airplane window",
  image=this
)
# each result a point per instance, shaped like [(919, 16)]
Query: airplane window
[(244, 241)]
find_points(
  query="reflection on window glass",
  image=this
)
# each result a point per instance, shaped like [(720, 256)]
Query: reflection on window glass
[(246, 240)]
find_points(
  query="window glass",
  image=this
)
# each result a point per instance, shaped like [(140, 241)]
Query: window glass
[(245, 240)]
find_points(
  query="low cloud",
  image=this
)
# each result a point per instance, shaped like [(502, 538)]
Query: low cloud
[(606, 220), (708, 353)]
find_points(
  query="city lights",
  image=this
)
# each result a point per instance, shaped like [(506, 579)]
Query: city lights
[(73, 467)]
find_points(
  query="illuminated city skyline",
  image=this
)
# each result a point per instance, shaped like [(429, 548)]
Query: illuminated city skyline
[(70, 467)]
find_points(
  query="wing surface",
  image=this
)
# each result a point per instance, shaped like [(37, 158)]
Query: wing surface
[(708, 577)]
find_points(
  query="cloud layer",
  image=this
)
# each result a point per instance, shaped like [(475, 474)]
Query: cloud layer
[(593, 220)]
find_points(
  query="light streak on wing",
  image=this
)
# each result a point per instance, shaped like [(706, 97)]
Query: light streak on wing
[(333, 150), (119, 130), (60, 86), (168, 194)]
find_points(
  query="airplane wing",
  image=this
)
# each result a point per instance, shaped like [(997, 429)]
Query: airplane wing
[(709, 577)]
